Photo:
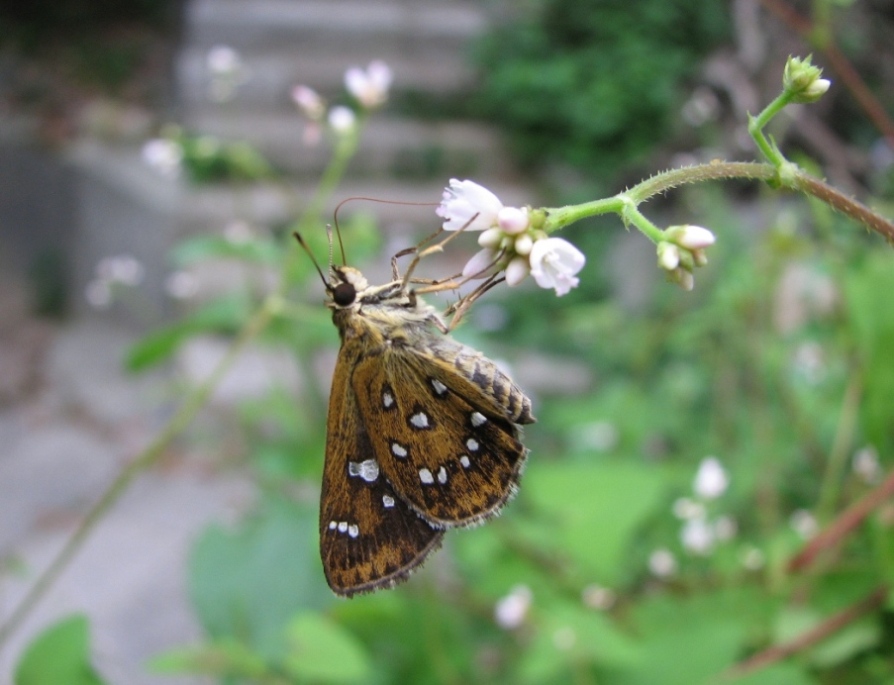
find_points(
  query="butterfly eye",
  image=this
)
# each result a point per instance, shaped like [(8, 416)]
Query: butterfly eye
[(344, 294)]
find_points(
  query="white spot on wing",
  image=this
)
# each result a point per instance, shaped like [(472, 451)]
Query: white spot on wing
[(387, 400), (419, 420), (388, 501), (464, 460), (342, 526), (439, 387), (398, 450), (472, 444), (332, 525), (478, 419), (353, 530), (368, 469), (426, 477), (442, 475)]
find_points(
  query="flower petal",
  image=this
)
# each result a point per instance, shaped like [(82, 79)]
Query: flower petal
[(468, 206), (554, 263)]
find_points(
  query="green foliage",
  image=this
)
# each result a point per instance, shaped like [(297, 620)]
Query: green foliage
[(717, 372), (60, 654), (594, 84)]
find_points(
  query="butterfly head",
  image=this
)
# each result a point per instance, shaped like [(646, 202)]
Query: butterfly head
[(346, 287)]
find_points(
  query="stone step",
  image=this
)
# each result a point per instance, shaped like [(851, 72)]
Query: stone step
[(327, 26), (271, 75), (389, 146)]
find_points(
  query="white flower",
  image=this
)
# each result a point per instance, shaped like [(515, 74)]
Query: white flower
[(866, 464), (685, 508), (223, 60), (711, 480), (468, 206), (512, 609), (697, 536), (342, 119), (554, 263), (662, 563), (163, 155), (804, 523), (369, 87)]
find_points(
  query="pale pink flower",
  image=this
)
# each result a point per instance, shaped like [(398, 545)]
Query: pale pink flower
[(468, 206), (370, 86), (554, 263)]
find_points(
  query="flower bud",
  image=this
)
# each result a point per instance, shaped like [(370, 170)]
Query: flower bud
[(668, 256), (802, 80), (491, 237), (691, 237), (513, 220), (523, 244), (517, 270)]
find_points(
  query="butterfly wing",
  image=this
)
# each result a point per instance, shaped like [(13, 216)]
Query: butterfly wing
[(369, 536), (444, 438)]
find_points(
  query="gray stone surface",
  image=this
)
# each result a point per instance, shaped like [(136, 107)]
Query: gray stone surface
[(63, 443)]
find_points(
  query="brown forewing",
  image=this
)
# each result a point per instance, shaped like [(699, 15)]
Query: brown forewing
[(369, 537), (444, 443)]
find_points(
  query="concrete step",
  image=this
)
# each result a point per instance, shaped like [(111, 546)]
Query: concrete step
[(271, 74), (328, 25), (389, 146)]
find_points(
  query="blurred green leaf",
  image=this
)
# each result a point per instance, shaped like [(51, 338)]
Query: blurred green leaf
[(319, 650), (594, 510), (868, 290), (203, 247), (247, 583), (224, 314), (221, 658), (60, 655)]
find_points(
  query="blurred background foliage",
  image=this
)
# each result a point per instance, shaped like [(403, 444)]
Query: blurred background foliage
[(613, 565)]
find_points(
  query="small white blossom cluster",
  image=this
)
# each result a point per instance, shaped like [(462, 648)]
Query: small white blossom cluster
[(112, 272), (682, 250), (509, 239), (700, 532), (369, 88)]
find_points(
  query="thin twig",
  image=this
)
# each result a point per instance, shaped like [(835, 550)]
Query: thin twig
[(815, 635), (849, 519)]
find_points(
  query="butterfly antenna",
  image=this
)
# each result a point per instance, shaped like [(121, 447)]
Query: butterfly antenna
[(313, 259), (341, 245)]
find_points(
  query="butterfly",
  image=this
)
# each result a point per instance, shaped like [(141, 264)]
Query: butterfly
[(422, 434)]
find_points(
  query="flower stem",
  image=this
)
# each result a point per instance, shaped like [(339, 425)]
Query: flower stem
[(757, 124)]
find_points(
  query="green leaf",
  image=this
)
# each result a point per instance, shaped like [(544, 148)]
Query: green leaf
[(322, 651), (221, 658), (226, 313), (594, 510), (248, 582), (779, 674), (60, 655)]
